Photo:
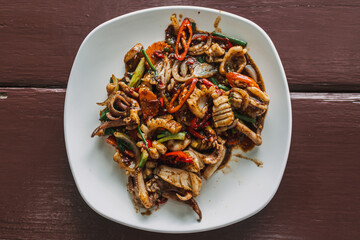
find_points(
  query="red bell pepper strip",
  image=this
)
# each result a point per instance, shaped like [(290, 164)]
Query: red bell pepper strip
[(182, 36), (233, 77), (192, 82), (194, 133)]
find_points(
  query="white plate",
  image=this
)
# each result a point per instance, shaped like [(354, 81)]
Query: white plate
[(226, 198)]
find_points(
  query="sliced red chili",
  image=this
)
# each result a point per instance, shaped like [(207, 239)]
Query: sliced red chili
[(190, 61), (199, 37), (182, 90), (194, 122), (149, 143), (233, 77), (195, 125), (176, 154), (207, 82), (161, 100), (182, 37), (194, 133), (180, 156)]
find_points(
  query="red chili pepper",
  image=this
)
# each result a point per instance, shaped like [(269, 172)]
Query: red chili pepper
[(149, 143), (194, 133), (199, 37), (233, 77), (185, 160), (176, 154), (172, 108), (158, 54), (190, 61), (195, 125), (182, 36), (161, 100), (205, 124), (136, 89), (180, 156), (207, 82)]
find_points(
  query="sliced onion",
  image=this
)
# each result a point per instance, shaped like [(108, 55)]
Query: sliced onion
[(131, 144), (251, 71)]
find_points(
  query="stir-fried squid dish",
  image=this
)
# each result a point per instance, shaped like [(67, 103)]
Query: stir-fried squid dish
[(181, 107)]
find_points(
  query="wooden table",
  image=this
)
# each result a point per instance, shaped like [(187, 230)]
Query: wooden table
[(318, 42)]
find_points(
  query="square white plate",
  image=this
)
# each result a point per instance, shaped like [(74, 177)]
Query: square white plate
[(226, 198)]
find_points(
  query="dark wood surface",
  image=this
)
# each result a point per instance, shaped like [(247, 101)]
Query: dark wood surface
[(319, 197)]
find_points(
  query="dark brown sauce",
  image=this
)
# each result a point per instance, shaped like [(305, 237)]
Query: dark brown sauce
[(254, 160), (146, 213)]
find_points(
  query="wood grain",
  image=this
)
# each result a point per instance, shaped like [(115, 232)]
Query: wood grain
[(317, 199), (317, 40)]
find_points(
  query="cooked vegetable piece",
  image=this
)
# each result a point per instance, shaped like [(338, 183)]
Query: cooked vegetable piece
[(156, 49), (143, 158), (116, 83), (139, 72), (177, 136), (244, 118), (103, 116), (149, 103), (149, 62)]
